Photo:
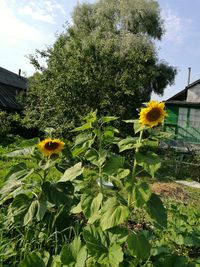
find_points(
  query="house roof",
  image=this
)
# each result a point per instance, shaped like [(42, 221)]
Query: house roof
[(182, 103), (10, 85), (8, 98), (12, 79), (182, 95)]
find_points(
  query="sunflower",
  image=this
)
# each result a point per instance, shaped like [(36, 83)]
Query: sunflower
[(50, 146), (153, 114)]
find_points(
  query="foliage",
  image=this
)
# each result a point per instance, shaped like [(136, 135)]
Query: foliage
[(97, 212), (105, 60), (7, 122)]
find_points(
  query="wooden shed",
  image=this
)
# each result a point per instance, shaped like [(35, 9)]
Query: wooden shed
[(183, 111), (10, 85)]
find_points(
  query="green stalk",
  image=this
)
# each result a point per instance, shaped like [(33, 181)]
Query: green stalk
[(134, 168)]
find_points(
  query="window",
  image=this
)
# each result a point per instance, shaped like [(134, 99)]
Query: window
[(182, 117), (194, 119)]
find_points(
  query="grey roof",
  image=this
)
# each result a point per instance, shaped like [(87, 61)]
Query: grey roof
[(182, 103), (10, 78), (8, 98), (10, 85), (182, 95)]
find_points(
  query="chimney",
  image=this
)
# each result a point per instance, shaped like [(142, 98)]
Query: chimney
[(19, 73), (189, 75)]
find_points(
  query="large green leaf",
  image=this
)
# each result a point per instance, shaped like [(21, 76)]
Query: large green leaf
[(20, 207), (138, 127), (42, 207), (113, 165), (157, 211), (73, 172), (94, 209), (90, 205), (173, 261), (74, 254), (108, 119), (96, 157), (31, 212), (115, 255), (127, 143), (82, 142), (21, 152), (141, 194), (9, 189), (86, 126), (149, 161), (32, 259), (113, 213), (19, 171), (97, 243), (60, 193), (139, 246), (100, 247)]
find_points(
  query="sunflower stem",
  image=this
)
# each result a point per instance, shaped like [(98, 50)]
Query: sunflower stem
[(133, 178)]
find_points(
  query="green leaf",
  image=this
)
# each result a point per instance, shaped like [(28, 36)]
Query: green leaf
[(112, 166), (138, 127), (20, 207), (91, 117), (10, 188), (141, 194), (19, 171), (115, 255), (42, 207), (32, 259), (100, 247), (127, 143), (94, 209), (84, 127), (97, 243), (129, 121), (96, 157), (90, 205), (173, 261), (74, 254), (21, 152), (157, 211), (60, 193), (73, 172), (139, 246), (82, 142), (113, 213), (149, 161), (30, 214), (109, 133), (109, 118), (118, 235)]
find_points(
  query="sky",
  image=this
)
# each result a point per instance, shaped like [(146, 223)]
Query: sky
[(27, 25)]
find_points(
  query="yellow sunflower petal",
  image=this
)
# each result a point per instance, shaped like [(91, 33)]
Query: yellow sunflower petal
[(51, 146), (153, 114)]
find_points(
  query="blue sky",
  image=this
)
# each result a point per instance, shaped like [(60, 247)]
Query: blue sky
[(27, 25)]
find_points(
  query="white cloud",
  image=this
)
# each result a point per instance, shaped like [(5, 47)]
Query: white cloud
[(14, 30), (176, 27), (37, 14), (41, 10)]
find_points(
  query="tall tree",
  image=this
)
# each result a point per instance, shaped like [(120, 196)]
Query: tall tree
[(105, 60)]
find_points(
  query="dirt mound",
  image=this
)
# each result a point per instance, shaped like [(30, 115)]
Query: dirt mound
[(171, 190)]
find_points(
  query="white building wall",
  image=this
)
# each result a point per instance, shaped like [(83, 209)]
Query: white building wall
[(193, 94)]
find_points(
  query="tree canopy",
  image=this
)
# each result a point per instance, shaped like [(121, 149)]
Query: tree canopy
[(106, 60)]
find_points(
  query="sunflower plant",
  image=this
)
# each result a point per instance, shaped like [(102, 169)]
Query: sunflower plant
[(84, 198)]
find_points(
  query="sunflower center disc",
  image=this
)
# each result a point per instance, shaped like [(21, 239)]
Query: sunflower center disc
[(51, 145), (153, 114)]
